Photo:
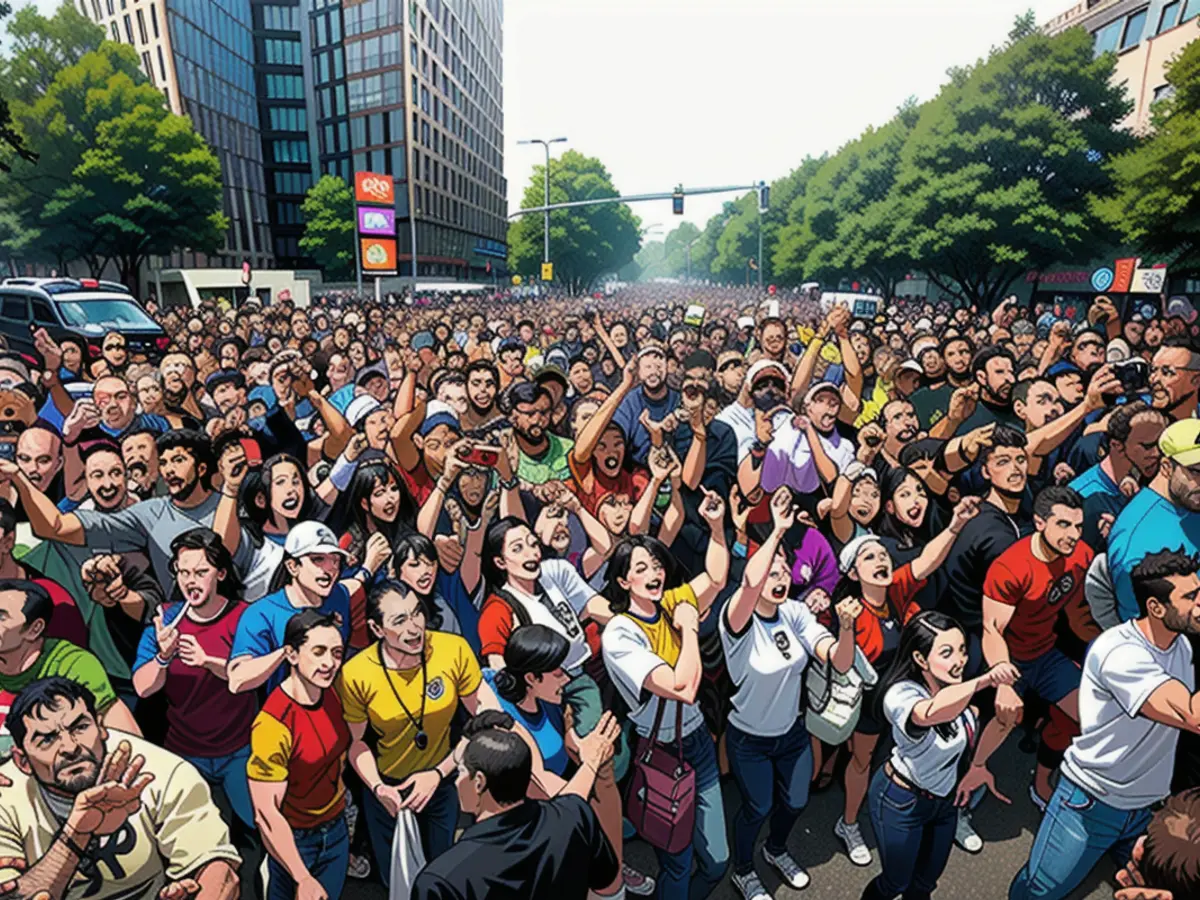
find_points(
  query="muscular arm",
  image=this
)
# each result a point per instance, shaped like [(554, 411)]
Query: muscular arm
[(996, 616), (742, 603), (248, 673), (50, 874), (337, 430), (934, 554), (44, 518), (590, 434), (218, 881), (267, 797), (683, 681), (1172, 704), (709, 583), (226, 525)]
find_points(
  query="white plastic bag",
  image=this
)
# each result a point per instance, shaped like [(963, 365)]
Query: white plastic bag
[(408, 856)]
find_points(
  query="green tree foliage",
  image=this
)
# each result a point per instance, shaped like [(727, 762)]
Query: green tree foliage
[(651, 261), (42, 46), (117, 177), (328, 212), (585, 242), (1157, 202), (10, 139), (998, 174)]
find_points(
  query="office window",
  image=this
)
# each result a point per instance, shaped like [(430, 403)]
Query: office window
[(290, 151), (1134, 27), (322, 31), (339, 96), (148, 66), (323, 67), (1107, 38), (375, 129), (358, 133), (285, 87), (1164, 92), (141, 20), (335, 27), (162, 65), (97, 14), (289, 118), (116, 32), (338, 71), (398, 162), (1190, 11), (330, 147), (281, 18)]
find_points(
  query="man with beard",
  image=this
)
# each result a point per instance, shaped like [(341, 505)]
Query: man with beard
[(140, 452), (275, 432), (993, 371), (187, 466), (1131, 434), (543, 456), (1175, 379), (932, 401), (27, 654), (791, 461), (652, 397), (1164, 513), (761, 406), (483, 382), (1137, 694), (136, 822), (179, 380)]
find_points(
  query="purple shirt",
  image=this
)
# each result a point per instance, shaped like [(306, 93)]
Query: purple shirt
[(789, 461), (815, 566)]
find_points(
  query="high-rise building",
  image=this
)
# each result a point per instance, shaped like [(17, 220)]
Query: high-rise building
[(1145, 34), (200, 53), (418, 87)]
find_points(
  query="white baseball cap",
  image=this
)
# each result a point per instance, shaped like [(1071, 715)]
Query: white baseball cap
[(850, 552), (306, 538)]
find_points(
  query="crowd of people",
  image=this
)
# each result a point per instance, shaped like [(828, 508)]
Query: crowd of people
[(467, 596)]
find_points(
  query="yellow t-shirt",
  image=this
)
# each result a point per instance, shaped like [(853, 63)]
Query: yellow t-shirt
[(451, 671), (177, 831), (664, 639)]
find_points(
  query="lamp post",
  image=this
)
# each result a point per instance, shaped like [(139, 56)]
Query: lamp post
[(546, 145)]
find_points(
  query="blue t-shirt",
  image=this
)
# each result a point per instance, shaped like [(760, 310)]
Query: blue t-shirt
[(1100, 495), (630, 411), (545, 727), (340, 399), (1149, 523), (260, 629)]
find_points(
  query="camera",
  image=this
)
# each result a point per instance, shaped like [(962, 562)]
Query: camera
[(1134, 375)]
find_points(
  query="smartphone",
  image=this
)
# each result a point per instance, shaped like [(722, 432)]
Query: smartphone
[(482, 456), (253, 452), (694, 315)]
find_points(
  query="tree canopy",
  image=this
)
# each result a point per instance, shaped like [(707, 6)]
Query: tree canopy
[(328, 212), (585, 242)]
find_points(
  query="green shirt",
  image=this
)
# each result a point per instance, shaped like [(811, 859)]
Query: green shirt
[(64, 659), (930, 404), (550, 466)]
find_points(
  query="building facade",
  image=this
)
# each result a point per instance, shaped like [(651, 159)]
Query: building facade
[(201, 55), (1145, 34)]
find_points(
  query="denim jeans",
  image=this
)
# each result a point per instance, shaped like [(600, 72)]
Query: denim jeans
[(773, 774), (436, 822), (325, 851), (710, 845), (915, 833), (1076, 831), (228, 774)]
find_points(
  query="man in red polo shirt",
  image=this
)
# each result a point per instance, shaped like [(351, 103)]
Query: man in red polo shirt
[(298, 746), (1026, 589)]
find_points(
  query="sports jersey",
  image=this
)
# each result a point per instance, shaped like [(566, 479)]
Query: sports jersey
[(1038, 591)]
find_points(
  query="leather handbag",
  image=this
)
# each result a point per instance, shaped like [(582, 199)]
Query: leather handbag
[(661, 799)]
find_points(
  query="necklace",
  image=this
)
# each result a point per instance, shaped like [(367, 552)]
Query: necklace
[(421, 739)]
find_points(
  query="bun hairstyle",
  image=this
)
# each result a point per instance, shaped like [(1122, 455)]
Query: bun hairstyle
[(531, 650)]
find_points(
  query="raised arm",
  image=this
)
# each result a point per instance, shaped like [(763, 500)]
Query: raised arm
[(741, 605), (1041, 441), (44, 518), (233, 467), (951, 702), (938, 549), (607, 341), (709, 583), (590, 434)]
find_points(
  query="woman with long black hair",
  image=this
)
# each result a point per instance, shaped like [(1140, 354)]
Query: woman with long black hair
[(377, 501), (926, 703)]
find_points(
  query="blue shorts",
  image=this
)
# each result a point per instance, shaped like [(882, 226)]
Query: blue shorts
[(1051, 676)]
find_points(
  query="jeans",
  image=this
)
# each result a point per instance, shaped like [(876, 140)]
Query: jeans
[(773, 774), (1076, 831), (915, 833), (228, 774), (436, 821), (709, 846), (325, 851)]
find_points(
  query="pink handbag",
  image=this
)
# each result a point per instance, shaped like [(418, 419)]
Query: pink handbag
[(661, 799)]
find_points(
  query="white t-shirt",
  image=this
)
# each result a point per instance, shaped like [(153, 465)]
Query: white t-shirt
[(741, 420), (568, 594), (629, 658), (260, 564), (924, 757), (767, 662), (1124, 759)]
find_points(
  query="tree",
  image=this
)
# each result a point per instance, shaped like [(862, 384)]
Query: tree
[(1157, 201), (42, 46), (651, 261), (118, 177), (585, 242), (999, 173), (328, 212)]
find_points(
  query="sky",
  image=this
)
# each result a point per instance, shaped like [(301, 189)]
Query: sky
[(722, 92)]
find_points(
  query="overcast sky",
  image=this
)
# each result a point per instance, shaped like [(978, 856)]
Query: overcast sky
[(716, 92)]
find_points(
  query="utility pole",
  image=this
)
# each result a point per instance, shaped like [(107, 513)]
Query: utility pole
[(546, 144)]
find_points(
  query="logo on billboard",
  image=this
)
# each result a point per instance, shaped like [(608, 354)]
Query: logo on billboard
[(377, 220), (1102, 279), (372, 188), (379, 256)]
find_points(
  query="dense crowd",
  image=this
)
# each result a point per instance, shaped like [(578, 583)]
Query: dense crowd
[(465, 596)]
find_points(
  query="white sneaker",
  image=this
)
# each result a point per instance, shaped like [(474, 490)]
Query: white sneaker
[(750, 887), (964, 834), (856, 847), (635, 882), (790, 871)]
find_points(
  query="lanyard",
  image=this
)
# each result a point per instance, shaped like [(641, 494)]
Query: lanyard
[(421, 739)]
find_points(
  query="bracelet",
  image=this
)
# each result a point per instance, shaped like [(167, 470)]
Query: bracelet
[(162, 662), (71, 845), (510, 484)]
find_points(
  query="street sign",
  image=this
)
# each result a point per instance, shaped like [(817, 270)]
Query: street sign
[(377, 220), (1123, 275), (547, 271), (379, 255), (370, 187), (1102, 278), (516, 280)]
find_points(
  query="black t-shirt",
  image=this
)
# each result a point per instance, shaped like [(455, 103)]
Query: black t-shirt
[(540, 850), (982, 539)]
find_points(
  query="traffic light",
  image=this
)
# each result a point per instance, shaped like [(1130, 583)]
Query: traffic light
[(764, 197), (677, 201)]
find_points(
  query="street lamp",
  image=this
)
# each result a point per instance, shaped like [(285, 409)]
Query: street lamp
[(546, 144), (689, 256)]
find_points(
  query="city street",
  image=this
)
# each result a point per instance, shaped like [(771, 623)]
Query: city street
[(1007, 830)]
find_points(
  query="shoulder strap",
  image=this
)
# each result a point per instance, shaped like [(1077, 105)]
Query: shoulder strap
[(520, 613)]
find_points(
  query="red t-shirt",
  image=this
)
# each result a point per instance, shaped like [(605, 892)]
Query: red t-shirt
[(203, 718), (591, 485), (67, 622), (1039, 591), (868, 627), (496, 624), (419, 482)]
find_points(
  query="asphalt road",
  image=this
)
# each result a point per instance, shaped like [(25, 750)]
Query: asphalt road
[(1007, 830)]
